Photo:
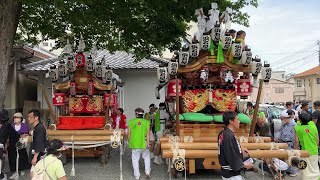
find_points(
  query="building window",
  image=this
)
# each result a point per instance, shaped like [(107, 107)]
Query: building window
[(279, 90), (299, 83), (45, 43), (318, 80)]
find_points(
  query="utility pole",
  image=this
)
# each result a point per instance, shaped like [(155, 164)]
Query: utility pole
[(318, 42)]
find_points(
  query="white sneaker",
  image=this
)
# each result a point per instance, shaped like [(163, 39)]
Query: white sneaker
[(160, 159), (5, 177), (156, 160), (13, 176), (151, 155)]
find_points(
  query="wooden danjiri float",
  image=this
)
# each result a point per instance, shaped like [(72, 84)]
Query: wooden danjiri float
[(203, 80), (84, 91)]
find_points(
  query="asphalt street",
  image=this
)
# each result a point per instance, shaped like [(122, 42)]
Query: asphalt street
[(91, 169)]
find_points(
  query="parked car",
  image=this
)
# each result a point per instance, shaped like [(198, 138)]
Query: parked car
[(272, 114)]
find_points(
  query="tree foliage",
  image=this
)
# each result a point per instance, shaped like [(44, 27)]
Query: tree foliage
[(143, 27)]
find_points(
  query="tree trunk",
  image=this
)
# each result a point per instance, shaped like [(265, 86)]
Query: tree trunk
[(9, 18)]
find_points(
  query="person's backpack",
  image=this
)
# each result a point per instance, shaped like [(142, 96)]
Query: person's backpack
[(40, 174)]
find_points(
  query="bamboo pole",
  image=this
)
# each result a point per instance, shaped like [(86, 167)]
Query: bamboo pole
[(81, 138), (53, 116), (81, 132), (282, 154), (177, 107), (207, 146), (108, 107), (256, 108), (212, 139)]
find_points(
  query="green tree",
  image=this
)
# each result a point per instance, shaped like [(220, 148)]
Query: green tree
[(142, 27)]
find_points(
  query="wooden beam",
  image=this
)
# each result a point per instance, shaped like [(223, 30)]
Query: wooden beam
[(256, 109), (212, 139), (53, 116)]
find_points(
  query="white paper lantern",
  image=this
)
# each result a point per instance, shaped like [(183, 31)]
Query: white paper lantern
[(71, 64), (205, 42), (236, 49), (226, 41), (194, 50), (53, 73), (62, 68), (89, 64), (98, 70), (107, 75), (162, 74), (173, 68), (216, 32), (255, 68), (183, 58), (246, 58), (266, 72)]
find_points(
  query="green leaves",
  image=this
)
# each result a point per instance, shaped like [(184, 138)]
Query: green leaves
[(145, 27)]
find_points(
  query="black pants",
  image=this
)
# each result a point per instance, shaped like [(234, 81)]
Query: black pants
[(23, 159)]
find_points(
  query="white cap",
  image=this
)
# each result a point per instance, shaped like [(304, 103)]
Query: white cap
[(284, 114)]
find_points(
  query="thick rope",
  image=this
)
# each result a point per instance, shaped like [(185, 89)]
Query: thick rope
[(258, 139), (116, 137), (174, 139), (244, 139), (73, 171), (274, 146), (188, 139)]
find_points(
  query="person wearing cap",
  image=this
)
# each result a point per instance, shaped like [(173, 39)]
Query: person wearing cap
[(307, 135), (39, 137), (22, 129), (53, 165), (139, 137), (160, 125), (289, 106), (286, 134), (6, 132), (152, 116)]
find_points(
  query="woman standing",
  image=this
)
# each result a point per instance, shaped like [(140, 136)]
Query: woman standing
[(21, 129)]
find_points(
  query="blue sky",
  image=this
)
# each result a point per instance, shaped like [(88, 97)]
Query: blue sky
[(279, 28)]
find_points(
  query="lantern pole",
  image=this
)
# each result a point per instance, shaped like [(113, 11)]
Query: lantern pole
[(53, 116), (177, 108), (108, 106), (256, 108)]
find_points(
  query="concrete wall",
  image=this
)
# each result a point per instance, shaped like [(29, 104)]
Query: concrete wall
[(139, 90), (269, 94)]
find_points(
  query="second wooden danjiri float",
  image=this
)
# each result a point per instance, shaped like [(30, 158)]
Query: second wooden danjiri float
[(206, 78), (84, 92)]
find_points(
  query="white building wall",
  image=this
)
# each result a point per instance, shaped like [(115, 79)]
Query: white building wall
[(138, 91)]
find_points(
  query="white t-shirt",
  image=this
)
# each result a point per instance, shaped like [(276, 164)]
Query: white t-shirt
[(17, 127), (117, 122), (164, 116)]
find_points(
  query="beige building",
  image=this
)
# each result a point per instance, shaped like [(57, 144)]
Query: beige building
[(276, 91), (307, 85)]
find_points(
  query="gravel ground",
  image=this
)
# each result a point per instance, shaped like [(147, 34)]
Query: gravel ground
[(90, 169)]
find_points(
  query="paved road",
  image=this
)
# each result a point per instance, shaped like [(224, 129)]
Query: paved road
[(90, 169)]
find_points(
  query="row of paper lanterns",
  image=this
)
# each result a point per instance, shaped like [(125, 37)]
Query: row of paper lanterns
[(105, 73)]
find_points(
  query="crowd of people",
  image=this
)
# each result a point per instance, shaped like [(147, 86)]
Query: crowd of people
[(43, 158), (299, 130)]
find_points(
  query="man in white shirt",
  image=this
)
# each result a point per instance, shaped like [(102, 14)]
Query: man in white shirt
[(289, 106)]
